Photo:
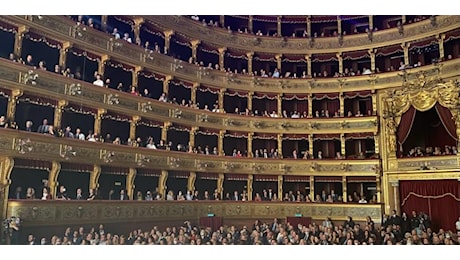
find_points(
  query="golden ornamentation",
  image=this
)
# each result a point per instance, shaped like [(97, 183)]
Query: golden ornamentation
[(23, 146), (30, 77), (107, 156), (67, 151), (112, 99), (145, 107)]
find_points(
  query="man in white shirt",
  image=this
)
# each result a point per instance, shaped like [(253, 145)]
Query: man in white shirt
[(98, 81), (115, 33)]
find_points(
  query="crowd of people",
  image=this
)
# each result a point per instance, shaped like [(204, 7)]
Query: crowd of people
[(394, 230), (276, 73)]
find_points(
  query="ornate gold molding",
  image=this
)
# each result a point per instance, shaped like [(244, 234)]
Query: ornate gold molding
[(248, 42), (99, 43), (48, 148), (47, 213), (51, 86)]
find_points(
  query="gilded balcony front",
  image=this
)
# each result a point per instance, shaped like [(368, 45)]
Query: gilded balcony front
[(247, 42), (49, 213), (65, 30), (18, 144), (53, 86)]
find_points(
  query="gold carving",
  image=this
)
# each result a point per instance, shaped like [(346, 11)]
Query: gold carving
[(30, 77)]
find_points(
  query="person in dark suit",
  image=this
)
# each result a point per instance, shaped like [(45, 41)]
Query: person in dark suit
[(123, 195), (62, 194), (43, 129)]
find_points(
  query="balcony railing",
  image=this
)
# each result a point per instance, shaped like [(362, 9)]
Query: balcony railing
[(89, 39), (21, 144), (285, 45), (57, 87), (48, 213)]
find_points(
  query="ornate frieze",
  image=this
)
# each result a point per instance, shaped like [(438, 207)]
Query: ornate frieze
[(42, 213)]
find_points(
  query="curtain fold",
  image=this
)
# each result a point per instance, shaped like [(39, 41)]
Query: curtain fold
[(446, 119), (440, 199), (407, 120)]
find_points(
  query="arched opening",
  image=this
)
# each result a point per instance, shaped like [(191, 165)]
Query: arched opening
[(431, 132)]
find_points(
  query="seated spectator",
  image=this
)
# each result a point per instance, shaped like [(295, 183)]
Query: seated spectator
[(98, 82)]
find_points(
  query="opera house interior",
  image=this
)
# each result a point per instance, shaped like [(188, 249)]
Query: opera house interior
[(227, 129)]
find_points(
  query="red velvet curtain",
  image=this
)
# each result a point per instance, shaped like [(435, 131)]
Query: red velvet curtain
[(447, 121), (440, 199), (407, 119), (332, 106)]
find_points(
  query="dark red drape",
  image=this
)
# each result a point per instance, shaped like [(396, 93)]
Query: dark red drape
[(446, 119), (440, 199), (407, 119), (333, 106)]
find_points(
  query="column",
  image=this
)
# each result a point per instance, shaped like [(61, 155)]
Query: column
[(249, 186), (374, 102), (222, 57), (371, 23), (166, 84), (104, 23), (194, 44), (101, 64), (339, 25), (309, 26), (310, 144), (164, 131), (342, 144), (135, 80), (250, 136), (340, 58), (63, 54), (53, 178), (220, 184), (279, 139), (136, 27), (441, 38), (278, 61), (279, 105), (58, 113), (191, 182), (94, 177), (378, 188), (162, 184), (133, 126), (130, 183), (278, 25), (308, 59), (250, 24), (312, 188), (342, 104), (376, 143), (222, 20), (18, 38), (6, 166), (280, 187), (192, 133), (221, 100), (250, 55), (344, 189), (12, 102), (193, 92), (220, 143), (167, 35), (372, 54), (98, 120), (405, 47), (310, 105), (250, 94), (395, 204)]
